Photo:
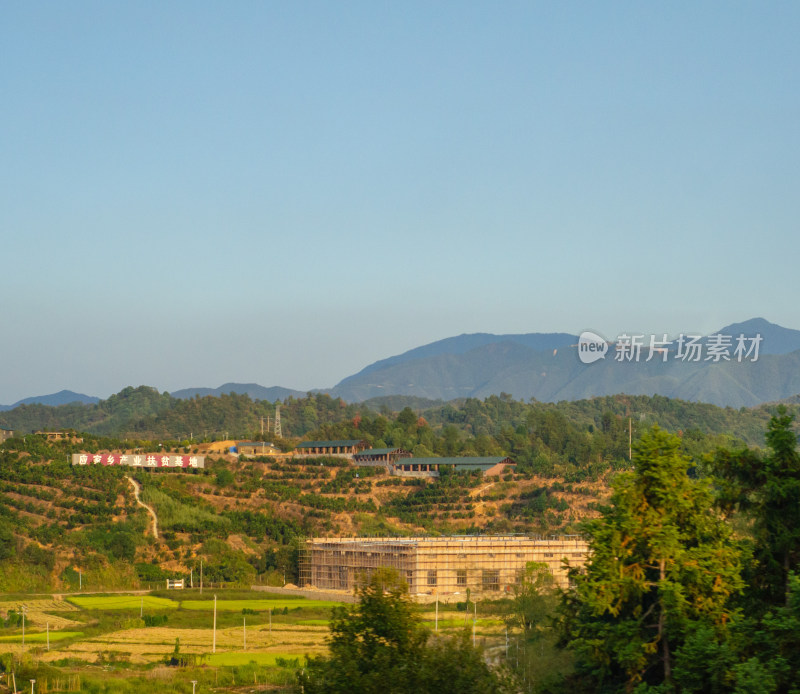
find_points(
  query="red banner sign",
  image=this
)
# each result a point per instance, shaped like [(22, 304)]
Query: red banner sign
[(151, 460)]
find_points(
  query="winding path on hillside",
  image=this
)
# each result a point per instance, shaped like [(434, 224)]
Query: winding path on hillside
[(136, 490)]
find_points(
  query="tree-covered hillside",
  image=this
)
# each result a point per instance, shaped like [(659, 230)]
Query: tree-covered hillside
[(245, 517), (143, 412)]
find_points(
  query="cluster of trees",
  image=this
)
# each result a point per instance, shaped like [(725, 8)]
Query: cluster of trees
[(692, 586), (573, 431), (673, 599), (379, 646)]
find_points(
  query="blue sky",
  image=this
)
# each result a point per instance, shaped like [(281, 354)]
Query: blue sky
[(193, 193)]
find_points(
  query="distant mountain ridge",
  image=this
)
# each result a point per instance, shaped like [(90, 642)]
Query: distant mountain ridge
[(544, 366), (255, 391), (776, 338), (63, 397), (467, 342)]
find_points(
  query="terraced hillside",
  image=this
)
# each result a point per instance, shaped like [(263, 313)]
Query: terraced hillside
[(243, 520), (65, 527)]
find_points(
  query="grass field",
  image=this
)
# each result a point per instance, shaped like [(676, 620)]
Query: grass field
[(42, 612), (257, 604), (102, 641), (122, 602), (235, 658), (40, 637)]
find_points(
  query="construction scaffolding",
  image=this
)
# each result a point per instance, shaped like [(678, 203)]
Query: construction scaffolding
[(438, 565)]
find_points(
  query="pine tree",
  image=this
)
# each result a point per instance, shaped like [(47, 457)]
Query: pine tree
[(662, 561), (766, 489)]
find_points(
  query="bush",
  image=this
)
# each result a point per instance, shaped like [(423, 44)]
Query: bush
[(224, 478), (155, 620), (8, 543)]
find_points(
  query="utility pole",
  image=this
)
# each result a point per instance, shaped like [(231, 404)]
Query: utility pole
[(630, 439), (474, 623), (214, 642)]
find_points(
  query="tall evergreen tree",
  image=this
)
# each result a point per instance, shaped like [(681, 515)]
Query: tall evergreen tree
[(661, 561), (767, 490)]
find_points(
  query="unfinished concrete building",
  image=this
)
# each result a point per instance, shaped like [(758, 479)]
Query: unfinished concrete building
[(438, 565)]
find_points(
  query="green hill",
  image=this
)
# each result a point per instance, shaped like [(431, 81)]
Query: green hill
[(244, 519)]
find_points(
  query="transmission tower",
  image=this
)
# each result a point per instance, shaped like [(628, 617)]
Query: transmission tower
[(278, 433)]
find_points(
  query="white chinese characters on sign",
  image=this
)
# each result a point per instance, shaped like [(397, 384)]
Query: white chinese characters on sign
[(151, 460)]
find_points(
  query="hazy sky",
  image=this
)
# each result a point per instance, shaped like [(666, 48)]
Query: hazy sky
[(283, 192)]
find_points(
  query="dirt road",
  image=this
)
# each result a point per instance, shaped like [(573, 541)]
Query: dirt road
[(150, 510)]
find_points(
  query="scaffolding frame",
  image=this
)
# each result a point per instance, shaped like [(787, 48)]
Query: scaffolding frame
[(448, 565)]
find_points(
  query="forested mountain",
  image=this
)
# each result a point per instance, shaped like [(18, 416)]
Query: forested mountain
[(255, 391), (777, 339), (63, 397), (547, 367)]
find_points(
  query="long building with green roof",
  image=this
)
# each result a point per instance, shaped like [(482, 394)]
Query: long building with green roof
[(488, 465)]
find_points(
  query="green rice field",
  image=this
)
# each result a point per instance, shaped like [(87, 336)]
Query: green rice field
[(41, 637), (258, 605), (236, 658), (122, 602)]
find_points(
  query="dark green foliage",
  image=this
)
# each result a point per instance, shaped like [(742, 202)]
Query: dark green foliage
[(260, 525), (224, 478), (662, 563), (284, 559), (578, 432), (767, 490), (155, 620), (8, 543), (115, 540), (224, 565), (152, 573), (12, 620), (38, 556), (533, 503), (178, 659)]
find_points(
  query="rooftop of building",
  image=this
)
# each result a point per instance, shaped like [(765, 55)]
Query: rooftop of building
[(330, 444), (448, 539)]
